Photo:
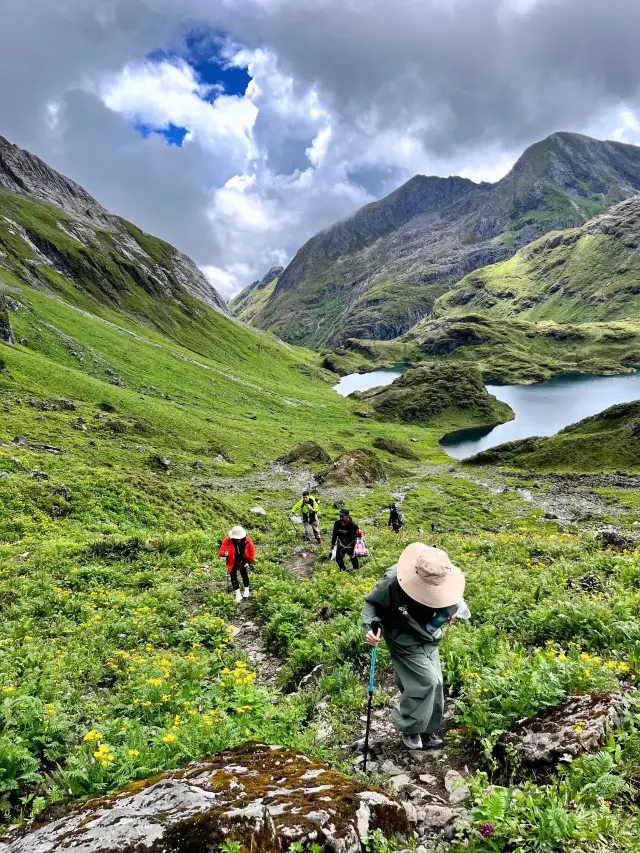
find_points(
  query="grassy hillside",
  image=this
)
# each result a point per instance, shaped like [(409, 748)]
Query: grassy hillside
[(252, 299), (580, 275), (609, 441), (135, 431), (436, 394), (504, 350)]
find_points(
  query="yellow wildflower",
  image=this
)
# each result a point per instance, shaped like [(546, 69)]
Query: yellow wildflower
[(133, 753), (169, 739), (92, 737)]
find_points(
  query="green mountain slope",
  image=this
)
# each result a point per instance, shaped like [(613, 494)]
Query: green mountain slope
[(578, 275), (377, 273), (609, 441), (252, 299)]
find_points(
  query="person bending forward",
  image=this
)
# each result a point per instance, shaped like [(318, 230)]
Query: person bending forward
[(409, 607)]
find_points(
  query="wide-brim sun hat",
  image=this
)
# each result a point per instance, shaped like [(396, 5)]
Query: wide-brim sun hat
[(237, 532), (428, 576)]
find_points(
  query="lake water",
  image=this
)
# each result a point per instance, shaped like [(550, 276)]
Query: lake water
[(364, 381), (544, 409)]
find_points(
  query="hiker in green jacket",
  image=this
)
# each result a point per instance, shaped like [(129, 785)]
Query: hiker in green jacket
[(309, 509), (410, 607)]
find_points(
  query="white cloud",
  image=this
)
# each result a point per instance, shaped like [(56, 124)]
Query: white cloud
[(347, 100), (164, 93)]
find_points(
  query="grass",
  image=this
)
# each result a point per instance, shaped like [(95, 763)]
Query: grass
[(115, 659)]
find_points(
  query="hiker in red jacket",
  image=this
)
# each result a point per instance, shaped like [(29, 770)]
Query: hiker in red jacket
[(240, 552)]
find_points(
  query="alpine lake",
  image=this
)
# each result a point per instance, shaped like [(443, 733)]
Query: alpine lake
[(540, 410)]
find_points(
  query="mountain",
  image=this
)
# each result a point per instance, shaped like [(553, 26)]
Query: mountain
[(380, 271), (50, 226), (580, 274), (246, 304)]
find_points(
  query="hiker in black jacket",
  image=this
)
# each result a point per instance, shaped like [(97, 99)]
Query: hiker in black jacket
[(396, 519), (345, 533)]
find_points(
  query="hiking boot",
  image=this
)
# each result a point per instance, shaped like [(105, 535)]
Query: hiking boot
[(247, 592), (412, 741), (431, 741), (238, 596)]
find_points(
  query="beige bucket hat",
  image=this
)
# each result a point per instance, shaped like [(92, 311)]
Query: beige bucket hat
[(428, 576), (237, 532)]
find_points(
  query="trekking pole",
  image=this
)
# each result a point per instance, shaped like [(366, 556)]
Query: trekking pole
[(372, 675)]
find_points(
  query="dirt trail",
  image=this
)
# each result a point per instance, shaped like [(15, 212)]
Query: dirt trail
[(249, 634)]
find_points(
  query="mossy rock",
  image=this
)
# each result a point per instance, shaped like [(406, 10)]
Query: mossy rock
[(307, 452), (438, 393), (357, 467), (265, 798), (396, 448)]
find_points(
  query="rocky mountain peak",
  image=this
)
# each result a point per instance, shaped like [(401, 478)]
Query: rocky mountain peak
[(23, 172), (162, 268)]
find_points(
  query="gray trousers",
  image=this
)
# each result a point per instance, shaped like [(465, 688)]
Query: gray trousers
[(419, 677), (312, 530)]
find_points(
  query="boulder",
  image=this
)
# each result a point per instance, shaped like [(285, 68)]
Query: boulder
[(356, 467), (612, 539), (456, 787), (161, 462), (396, 448), (265, 798), (308, 452), (579, 725)]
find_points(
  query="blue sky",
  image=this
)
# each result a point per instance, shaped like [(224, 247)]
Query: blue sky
[(203, 52)]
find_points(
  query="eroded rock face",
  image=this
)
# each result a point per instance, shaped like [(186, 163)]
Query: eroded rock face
[(308, 451), (357, 467), (579, 725), (264, 797)]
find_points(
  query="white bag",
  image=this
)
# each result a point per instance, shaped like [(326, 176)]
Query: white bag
[(463, 611), (334, 552)]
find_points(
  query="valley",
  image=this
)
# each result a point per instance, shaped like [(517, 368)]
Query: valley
[(139, 423)]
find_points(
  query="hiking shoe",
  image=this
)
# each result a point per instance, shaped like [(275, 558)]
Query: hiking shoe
[(238, 596), (431, 741), (247, 592), (412, 741)]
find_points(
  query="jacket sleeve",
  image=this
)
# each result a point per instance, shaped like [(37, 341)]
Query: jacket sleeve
[(376, 604), (297, 509), (224, 547), (250, 551), (334, 538)]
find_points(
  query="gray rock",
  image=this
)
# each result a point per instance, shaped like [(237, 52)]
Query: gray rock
[(400, 782), (258, 510), (428, 779), (437, 817), (456, 787), (269, 795), (578, 725), (312, 679), (61, 491), (390, 768)]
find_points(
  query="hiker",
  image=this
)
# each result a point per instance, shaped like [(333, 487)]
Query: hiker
[(396, 519), (240, 552), (345, 533), (410, 607), (309, 509)]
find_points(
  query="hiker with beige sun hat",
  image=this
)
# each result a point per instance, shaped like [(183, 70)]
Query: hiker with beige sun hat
[(410, 607)]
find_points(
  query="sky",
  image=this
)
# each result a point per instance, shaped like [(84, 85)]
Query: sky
[(236, 129)]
